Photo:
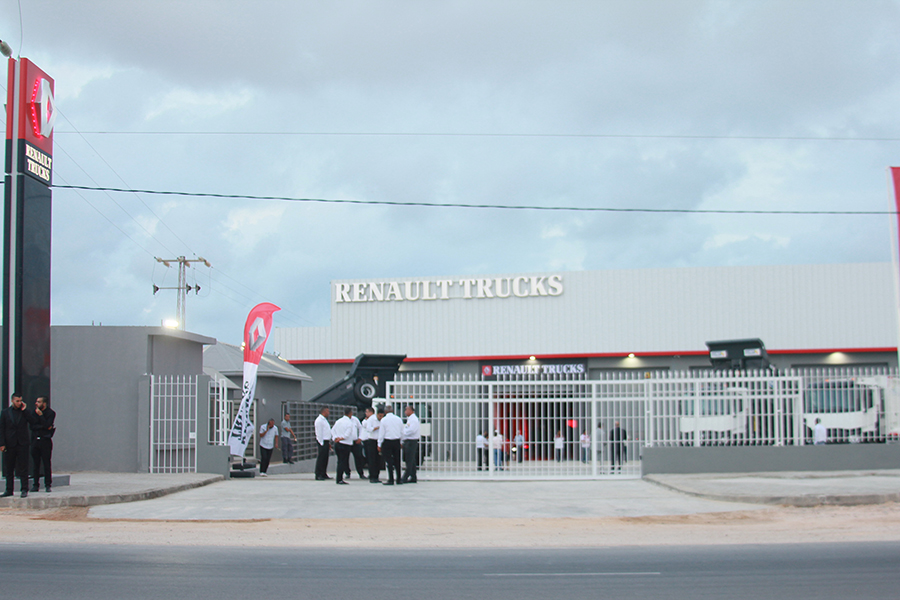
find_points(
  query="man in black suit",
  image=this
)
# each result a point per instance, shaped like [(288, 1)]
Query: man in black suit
[(14, 444), (42, 428)]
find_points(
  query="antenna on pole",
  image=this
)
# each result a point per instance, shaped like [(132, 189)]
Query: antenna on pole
[(183, 286)]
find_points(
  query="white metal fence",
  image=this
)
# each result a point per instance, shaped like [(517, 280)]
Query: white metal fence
[(571, 428), (173, 424)]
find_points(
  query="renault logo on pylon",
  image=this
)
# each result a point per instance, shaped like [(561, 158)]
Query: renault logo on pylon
[(43, 108)]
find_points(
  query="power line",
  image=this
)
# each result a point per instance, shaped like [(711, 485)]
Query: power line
[(607, 209), (614, 136)]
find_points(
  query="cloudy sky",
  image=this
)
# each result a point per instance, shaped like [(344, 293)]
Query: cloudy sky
[(696, 105)]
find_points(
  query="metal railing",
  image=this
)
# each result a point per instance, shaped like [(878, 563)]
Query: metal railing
[(173, 424), (303, 417), (576, 428)]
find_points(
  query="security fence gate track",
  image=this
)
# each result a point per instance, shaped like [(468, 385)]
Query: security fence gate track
[(173, 424), (534, 428)]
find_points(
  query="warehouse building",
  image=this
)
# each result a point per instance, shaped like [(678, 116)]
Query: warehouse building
[(583, 324)]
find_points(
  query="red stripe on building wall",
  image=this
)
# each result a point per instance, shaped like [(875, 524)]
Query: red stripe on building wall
[(593, 355)]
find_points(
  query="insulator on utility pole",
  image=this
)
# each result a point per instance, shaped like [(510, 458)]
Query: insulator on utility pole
[(183, 286)]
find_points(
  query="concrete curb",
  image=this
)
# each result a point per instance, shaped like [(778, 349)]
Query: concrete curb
[(41, 501), (801, 500)]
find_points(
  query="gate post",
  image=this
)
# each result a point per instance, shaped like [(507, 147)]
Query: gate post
[(594, 430), (490, 447)]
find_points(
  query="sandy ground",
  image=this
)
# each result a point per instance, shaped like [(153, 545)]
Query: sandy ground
[(767, 526)]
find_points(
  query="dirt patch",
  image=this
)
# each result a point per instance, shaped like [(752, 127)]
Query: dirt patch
[(775, 525)]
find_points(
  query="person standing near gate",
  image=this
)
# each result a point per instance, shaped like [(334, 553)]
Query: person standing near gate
[(344, 435), (497, 444), (323, 441), (268, 441), (617, 439), (389, 443), (520, 446), (820, 434), (14, 444), (585, 445), (287, 440), (480, 448), (371, 426), (558, 442), (410, 439), (42, 429)]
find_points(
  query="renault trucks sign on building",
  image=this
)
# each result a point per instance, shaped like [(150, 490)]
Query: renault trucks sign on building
[(522, 286)]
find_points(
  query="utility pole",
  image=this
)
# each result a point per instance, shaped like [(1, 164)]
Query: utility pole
[(183, 286)]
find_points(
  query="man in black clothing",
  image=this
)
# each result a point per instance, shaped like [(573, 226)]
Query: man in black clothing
[(42, 429), (14, 444), (617, 439)]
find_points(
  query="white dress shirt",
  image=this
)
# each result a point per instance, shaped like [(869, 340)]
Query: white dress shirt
[(361, 433), (267, 439), (391, 428), (372, 426), (323, 430), (480, 442), (497, 441), (411, 429), (345, 430)]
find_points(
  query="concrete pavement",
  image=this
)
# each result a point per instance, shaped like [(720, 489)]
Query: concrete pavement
[(843, 488), (210, 497), (90, 489)]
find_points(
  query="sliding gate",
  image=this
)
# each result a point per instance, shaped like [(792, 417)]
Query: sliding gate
[(580, 429), (532, 429)]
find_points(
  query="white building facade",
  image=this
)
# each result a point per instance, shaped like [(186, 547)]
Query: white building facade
[(596, 321)]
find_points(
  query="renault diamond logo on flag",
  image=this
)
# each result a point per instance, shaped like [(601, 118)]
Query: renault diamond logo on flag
[(257, 334), (43, 108)]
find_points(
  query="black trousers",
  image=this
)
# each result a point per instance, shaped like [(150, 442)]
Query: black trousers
[(411, 453), (41, 451), (322, 460), (358, 461), (617, 453), (265, 455), (372, 459), (15, 464), (390, 449), (479, 456), (343, 459)]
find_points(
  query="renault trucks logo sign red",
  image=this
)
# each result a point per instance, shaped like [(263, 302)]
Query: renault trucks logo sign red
[(34, 119), (43, 108)]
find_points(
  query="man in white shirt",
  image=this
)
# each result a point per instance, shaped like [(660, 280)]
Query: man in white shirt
[(344, 435), (356, 449), (323, 440), (497, 443), (410, 439), (389, 443), (480, 447), (268, 440), (371, 428), (558, 445), (820, 434)]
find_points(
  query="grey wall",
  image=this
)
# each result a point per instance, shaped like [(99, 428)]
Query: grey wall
[(94, 391), (101, 396), (744, 459)]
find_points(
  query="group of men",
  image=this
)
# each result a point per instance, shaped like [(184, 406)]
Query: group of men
[(25, 433), (379, 437)]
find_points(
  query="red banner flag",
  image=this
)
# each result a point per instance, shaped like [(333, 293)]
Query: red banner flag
[(256, 331)]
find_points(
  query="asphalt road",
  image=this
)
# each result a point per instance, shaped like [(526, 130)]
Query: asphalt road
[(822, 571)]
